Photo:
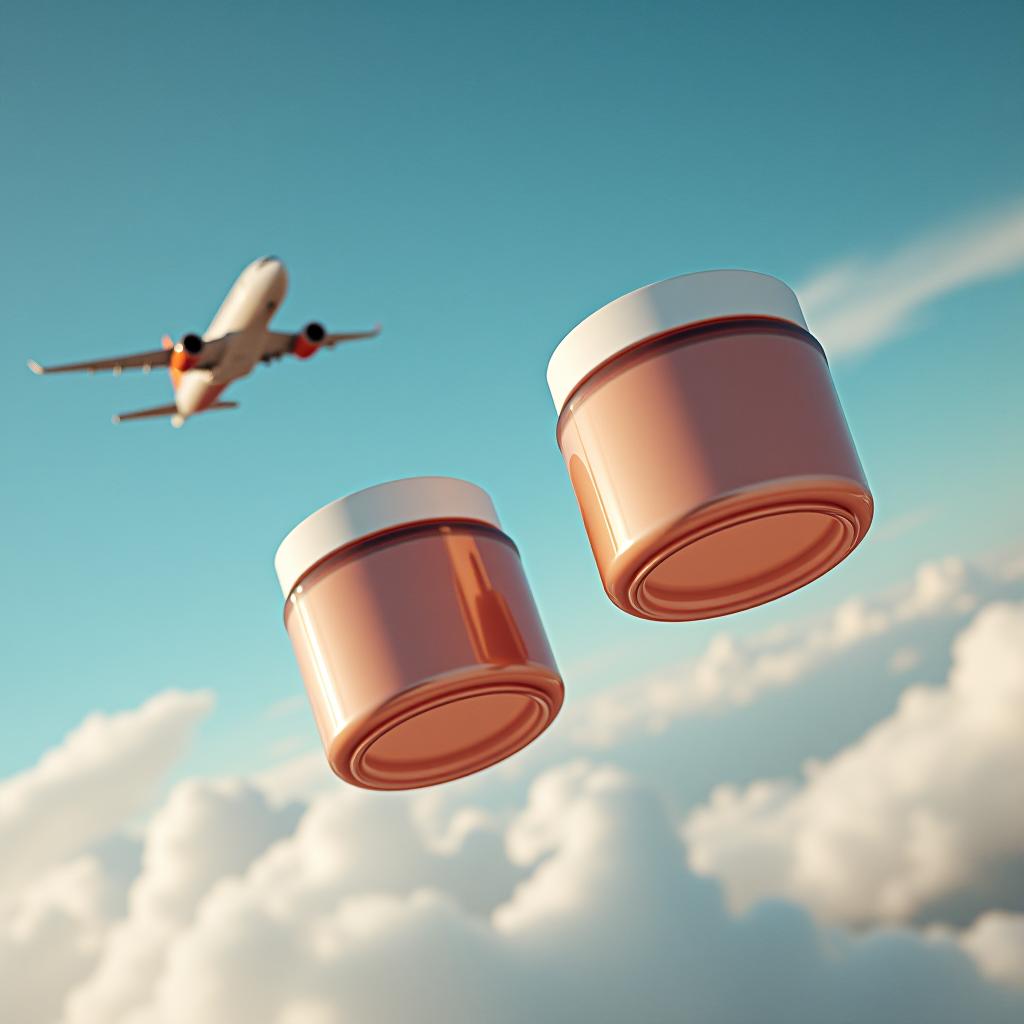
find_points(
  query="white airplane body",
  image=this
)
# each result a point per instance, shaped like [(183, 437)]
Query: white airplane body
[(238, 338)]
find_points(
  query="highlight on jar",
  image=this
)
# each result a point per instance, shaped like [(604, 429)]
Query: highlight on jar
[(416, 634), (706, 446)]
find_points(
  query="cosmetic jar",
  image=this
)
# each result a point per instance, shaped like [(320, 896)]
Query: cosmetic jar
[(706, 446), (416, 634)]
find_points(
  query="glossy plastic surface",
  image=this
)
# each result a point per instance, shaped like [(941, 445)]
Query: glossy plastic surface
[(423, 655), (714, 470)]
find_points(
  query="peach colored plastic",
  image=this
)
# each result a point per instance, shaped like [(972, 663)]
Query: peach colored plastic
[(714, 469), (423, 655)]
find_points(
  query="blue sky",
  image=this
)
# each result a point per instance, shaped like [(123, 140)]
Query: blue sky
[(477, 178)]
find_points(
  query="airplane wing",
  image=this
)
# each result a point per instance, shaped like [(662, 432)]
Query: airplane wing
[(138, 361), (280, 343), (145, 361)]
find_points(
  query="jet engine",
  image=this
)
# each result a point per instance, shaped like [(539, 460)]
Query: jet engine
[(186, 353), (308, 341)]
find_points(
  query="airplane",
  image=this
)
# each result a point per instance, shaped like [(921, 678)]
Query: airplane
[(239, 337)]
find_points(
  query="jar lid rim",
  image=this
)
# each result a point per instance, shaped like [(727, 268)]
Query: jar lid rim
[(660, 308), (374, 510)]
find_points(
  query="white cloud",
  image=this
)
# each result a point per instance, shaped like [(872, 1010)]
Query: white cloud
[(105, 771), (51, 934), (735, 671), (925, 806), (208, 830), (356, 918), (577, 905), (348, 844), (857, 305), (301, 777), (59, 891), (996, 943), (385, 907)]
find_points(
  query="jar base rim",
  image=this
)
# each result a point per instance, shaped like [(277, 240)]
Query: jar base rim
[(751, 553), (446, 729)]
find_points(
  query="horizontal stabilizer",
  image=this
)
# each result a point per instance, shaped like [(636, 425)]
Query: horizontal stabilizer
[(167, 410), (145, 414)]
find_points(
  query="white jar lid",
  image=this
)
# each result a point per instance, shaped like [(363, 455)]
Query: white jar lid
[(660, 309), (423, 499)]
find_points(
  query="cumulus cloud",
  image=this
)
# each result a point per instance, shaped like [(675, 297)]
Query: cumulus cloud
[(368, 907), (105, 770), (996, 943), (64, 870), (734, 671), (51, 934), (301, 777), (337, 924), (924, 807), (208, 830), (858, 305), (346, 846), (581, 902)]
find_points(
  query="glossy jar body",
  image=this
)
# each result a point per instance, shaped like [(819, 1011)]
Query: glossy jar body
[(714, 469), (423, 655)]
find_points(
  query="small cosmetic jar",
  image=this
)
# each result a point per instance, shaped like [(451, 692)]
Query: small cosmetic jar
[(416, 634), (706, 446)]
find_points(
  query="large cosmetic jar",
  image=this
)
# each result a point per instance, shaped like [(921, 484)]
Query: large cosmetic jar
[(706, 446), (416, 634)]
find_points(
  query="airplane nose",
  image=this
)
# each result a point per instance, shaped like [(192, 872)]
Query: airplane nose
[(273, 273)]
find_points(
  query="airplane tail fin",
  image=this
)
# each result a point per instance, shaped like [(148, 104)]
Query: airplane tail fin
[(168, 410)]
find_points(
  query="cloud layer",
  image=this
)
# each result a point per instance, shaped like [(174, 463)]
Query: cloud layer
[(578, 898), (736, 671), (105, 771), (208, 830), (995, 941), (925, 806), (59, 891), (357, 918), (367, 907)]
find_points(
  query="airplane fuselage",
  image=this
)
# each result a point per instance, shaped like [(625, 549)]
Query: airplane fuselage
[(239, 337), (245, 316)]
